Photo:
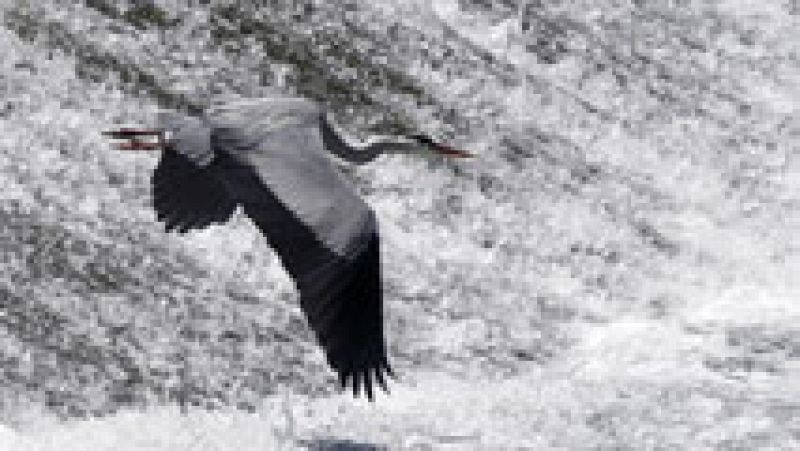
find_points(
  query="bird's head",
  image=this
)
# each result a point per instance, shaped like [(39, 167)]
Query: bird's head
[(431, 147)]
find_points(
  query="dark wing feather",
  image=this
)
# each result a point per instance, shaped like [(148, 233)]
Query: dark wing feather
[(340, 295), (187, 196), (344, 305)]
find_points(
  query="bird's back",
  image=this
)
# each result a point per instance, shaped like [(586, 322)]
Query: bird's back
[(280, 138)]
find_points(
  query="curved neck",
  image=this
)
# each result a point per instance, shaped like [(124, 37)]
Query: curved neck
[(360, 153)]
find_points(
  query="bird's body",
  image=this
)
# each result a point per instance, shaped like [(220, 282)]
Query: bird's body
[(284, 135), (269, 156)]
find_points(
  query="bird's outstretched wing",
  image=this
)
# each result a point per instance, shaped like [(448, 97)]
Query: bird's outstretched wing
[(187, 196), (344, 303), (339, 293)]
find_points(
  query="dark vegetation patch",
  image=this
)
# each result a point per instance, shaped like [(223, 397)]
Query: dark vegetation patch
[(142, 14)]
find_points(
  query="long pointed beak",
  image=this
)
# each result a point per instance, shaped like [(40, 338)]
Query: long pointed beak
[(451, 152), (441, 149)]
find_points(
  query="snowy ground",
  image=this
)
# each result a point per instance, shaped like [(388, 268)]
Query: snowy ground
[(616, 270)]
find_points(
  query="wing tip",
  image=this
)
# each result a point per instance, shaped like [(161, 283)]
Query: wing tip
[(364, 381)]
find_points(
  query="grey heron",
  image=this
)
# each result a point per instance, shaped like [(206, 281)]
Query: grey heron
[(268, 155)]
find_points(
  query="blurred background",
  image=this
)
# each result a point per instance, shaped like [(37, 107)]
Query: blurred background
[(617, 269)]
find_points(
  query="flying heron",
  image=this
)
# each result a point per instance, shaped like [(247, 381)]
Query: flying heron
[(268, 155)]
